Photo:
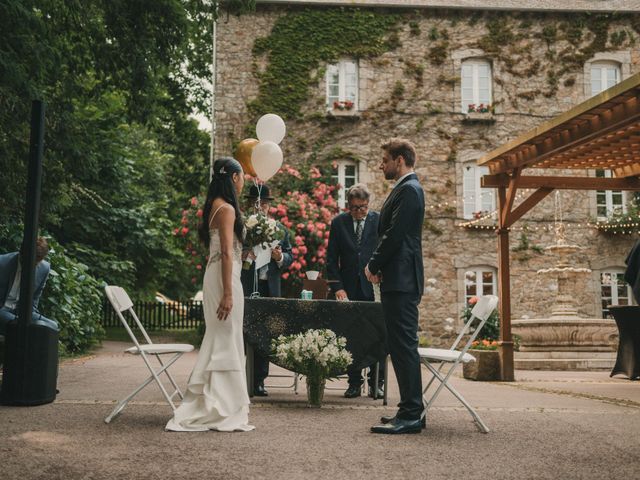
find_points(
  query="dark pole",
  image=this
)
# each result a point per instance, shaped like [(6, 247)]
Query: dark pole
[(31, 356), (31, 219)]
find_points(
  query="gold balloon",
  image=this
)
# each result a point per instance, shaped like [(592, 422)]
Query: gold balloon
[(243, 155)]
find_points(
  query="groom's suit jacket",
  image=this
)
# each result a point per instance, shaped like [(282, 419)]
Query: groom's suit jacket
[(8, 268), (398, 255)]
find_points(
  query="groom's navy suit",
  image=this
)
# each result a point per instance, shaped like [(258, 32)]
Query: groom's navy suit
[(398, 257)]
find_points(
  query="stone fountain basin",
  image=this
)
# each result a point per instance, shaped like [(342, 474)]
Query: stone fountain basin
[(570, 334)]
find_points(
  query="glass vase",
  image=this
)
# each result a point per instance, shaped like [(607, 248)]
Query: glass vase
[(315, 391)]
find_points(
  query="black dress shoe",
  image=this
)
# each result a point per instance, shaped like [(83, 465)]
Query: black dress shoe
[(352, 392), (260, 391), (380, 394), (398, 426), (391, 418)]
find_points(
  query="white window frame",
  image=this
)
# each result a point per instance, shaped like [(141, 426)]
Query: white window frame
[(474, 63), (478, 281), (341, 177), (604, 67), (616, 275), (608, 198), (476, 197), (342, 70)]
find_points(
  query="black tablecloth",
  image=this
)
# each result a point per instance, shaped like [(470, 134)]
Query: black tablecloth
[(628, 321), (361, 323)]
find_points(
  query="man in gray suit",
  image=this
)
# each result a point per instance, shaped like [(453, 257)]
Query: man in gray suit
[(10, 274)]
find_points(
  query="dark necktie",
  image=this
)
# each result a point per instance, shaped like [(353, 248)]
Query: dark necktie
[(359, 228)]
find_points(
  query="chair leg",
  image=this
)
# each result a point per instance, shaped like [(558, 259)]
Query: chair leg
[(173, 382), (444, 383), (154, 376)]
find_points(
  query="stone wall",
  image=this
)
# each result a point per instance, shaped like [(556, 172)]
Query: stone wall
[(428, 112)]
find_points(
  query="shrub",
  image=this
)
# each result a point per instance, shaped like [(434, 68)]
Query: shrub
[(491, 329), (73, 298)]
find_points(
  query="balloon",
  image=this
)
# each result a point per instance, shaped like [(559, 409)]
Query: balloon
[(266, 160), (243, 155), (270, 128)]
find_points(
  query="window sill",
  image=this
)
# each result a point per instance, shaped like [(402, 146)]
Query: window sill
[(349, 114), (479, 117)]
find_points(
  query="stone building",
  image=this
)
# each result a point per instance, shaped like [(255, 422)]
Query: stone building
[(459, 80)]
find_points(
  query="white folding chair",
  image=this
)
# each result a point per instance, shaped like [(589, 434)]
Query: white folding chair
[(122, 303), (428, 356)]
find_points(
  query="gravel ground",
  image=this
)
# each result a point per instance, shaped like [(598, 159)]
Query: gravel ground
[(559, 425)]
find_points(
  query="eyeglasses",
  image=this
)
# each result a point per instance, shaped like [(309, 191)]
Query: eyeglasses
[(355, 208)]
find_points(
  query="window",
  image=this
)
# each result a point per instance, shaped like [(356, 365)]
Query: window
[(342, 83), (479, 281), (604, 75), (476, 83), (346, 174), (613, 290), (476, 199), (608, 202)]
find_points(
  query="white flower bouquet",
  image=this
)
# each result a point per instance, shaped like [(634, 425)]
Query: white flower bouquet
[(318, 354), (261, 233)]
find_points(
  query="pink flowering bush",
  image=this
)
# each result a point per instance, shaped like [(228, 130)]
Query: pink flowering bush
[(305, 204), (187, 232)]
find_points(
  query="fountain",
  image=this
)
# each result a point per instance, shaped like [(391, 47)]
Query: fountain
[(564, 340)]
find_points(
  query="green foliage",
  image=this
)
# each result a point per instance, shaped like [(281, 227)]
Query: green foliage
[(120, 80), (301, 41), (73, 298), (620, 223)]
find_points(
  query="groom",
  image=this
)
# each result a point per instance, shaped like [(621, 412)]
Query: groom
[(397, 265)]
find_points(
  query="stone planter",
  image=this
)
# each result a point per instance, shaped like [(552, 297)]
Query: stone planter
[(343, 114), (485, 368)]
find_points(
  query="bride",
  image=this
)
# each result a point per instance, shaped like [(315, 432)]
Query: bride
[(216, 396)]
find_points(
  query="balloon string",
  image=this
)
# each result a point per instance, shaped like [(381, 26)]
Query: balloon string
[(259, 188)]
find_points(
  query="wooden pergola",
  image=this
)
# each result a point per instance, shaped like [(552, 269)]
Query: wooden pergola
[(600, 133)]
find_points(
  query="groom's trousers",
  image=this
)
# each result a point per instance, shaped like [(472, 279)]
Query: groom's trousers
[(401, 318)]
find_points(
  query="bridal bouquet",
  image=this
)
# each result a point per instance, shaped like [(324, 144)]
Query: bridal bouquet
[(262, 233), (318, 354)]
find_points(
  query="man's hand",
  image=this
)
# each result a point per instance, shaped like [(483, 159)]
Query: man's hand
[(341, 295), (248, 254), (276, 253), (370, 276)]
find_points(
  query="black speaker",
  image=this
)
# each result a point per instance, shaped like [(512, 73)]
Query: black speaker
[(30, 377)]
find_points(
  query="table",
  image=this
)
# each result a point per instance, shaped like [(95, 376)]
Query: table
[(628, 359), (361, 323)]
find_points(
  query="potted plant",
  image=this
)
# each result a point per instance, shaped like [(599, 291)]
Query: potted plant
[(485, 350), (317, 354), (484, 112), (487, 364)]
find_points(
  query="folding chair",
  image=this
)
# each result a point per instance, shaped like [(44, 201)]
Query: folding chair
[(481, 311), (121, 303)]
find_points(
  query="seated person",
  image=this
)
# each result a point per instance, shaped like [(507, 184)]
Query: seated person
[(10, 274)]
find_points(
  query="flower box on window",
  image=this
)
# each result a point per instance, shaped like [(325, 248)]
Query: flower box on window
[(343, 109), (482, 113)]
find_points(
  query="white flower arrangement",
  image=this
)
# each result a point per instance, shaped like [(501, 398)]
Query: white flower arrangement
[(261, 233), (314, 353)]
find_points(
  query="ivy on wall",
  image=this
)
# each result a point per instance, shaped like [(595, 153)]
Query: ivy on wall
[(302, 39)]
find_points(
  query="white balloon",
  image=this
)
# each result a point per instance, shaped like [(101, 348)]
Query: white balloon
[(270, 128), (266, 159)]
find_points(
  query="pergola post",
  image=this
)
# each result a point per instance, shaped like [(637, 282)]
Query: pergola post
[(504, 292)]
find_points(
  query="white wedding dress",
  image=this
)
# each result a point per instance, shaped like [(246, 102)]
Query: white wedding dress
[(216, 396)]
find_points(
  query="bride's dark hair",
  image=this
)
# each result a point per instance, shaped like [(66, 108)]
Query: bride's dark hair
[(222, 186)]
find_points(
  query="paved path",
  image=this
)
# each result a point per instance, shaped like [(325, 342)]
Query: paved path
[(559, 425)]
